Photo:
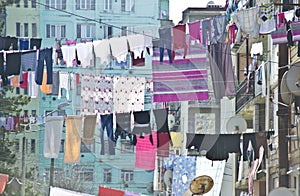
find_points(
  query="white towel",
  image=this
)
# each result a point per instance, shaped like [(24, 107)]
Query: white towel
[(136, 44), (119, 48), (102, 51), (52, 139), (68, 54), (33, 88), (64, 83), (85, 54)]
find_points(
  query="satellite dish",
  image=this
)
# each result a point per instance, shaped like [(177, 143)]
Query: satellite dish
[(201, 184), (236, 124), (285, 93), (293, 79), (168, 177), (281, 191), (171, 121)]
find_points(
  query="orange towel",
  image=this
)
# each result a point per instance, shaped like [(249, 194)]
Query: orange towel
[(73, 142), (45, 88), (3, 181), (15, 81)]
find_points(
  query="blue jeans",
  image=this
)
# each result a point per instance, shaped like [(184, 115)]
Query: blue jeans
[(107, 122), (206, 31), (44, 55)]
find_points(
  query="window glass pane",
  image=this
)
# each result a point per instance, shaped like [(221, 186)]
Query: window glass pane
[(33, 4), (26, 29), (34, 30), (25, 3), (18, 29), (48, 31)]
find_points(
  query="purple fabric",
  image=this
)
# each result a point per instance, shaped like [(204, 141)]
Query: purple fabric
[(131, 194), (194, 30)]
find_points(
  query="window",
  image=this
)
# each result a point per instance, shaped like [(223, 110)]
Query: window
[(107, 5), (62, 146), (32, 149), (18, 4), (127, 5), (107, 174), (25, 3), (127, 175), (33, 4), (57, 4), (17, 145), (107, 31), (84, 174), (25, 29), (86, 30), (126, 30), (85, 4), (126, 147), (18, 29), (55, 31), (34, 30)]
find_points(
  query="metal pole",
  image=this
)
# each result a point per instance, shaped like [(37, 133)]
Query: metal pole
[(23, 166), (51, 173)]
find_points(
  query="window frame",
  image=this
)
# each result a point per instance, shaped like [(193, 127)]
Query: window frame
[(107, 175), (127, 175)]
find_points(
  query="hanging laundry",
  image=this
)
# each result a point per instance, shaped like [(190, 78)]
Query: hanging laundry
[(128, 94), (145, 152), (194, 31), (221, 70), (45, 88), (131, 194), (123, 126), (64, 83), (23, 43), (267, 18), (13, 63), (33, 87), (55, 84), (136, 44), (257, 139), (109, 192), (206, 31), (232, 33), (73, 142), (107, 125), (103, 89), (69, 54), (53, 134), (24, 83), (295, 30), (279, 36), (102, 51), (10, 124), (45, 55), (165, 42), (28, 62), (192, 75), (176, 138), (141, 123), (35, 43), (55, 191), (179, 39), (3, 181), (184, 168), (15, 81), (219, 24), (246, 21), (119, 48), (2, 121), (289, 15), (89, 125), (85, 54), (163, 144), (87, 94), (256, 49)]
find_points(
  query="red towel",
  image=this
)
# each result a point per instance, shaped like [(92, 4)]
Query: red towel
[(163, 144), (103, 191), (24, 84), (3, 181), (145, 152)]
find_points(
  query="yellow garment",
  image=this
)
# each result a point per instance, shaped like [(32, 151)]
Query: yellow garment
[(73, 142), (45, 88), (15, 81), (89, 126), (176, 138)]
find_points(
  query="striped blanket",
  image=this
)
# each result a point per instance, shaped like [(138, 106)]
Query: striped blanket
[(184, 80)]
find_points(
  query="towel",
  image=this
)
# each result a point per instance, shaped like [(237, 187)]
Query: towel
[(136, 44), (45, 88), (73, 142), (119, 48), (52, 138), (163, 144), (176, 138), (3, 181), (84, 52), (102, 51), (110, 192), (89, 126)]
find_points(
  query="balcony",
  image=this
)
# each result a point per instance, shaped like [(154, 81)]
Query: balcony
[(245, 92)]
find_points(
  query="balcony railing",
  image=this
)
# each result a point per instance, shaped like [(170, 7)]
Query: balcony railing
[(245, 92)]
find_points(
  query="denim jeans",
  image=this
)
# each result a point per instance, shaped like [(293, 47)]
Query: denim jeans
[(107, 122), (44, 55)]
